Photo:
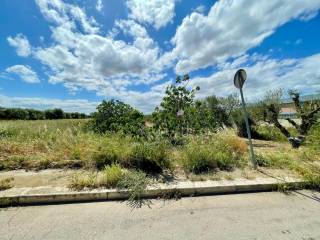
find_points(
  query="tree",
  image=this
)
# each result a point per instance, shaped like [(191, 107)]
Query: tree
[(179, 114), (307, 112), (115, 116), (55, 113), (269, 109)]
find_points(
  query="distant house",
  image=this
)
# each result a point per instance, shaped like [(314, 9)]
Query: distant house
[(288, 109)]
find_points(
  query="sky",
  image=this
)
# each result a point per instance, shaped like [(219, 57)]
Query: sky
[(72, 54)]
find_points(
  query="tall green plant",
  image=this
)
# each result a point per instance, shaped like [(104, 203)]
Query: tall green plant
[(116, 116), (179, 114)]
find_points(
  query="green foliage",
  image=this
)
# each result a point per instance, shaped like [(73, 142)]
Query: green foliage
[(32, 114), (113, 149), (240, 123), (221, 109), (116, 116), (150, 157), (313, 139), (136, 183), (179, 114), (270, 133), (218, 152), (111, 176)]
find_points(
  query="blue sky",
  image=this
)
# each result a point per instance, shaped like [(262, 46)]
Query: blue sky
[(75, 53)]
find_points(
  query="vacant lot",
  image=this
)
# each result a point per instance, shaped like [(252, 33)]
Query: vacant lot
[(49, 144)]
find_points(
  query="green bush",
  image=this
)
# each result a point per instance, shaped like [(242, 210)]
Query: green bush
[(271, 133), (116, 116), (218, 152), (150, 157), (113, 149), (136, 183), (313, 138)]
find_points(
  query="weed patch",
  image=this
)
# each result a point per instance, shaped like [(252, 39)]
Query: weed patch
[(6, 183)]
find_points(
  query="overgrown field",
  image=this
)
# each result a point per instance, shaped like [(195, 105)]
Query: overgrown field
[(114, 159)]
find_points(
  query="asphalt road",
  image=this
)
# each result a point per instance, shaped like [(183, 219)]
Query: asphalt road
[(241, 216)]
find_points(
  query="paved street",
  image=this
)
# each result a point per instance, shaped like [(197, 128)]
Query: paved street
[(242, 216)]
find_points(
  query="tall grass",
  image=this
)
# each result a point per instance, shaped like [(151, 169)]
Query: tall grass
[(44, 144), (222, 151)]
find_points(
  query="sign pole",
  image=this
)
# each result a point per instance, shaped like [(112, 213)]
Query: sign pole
[(245, 115), (239, 79)]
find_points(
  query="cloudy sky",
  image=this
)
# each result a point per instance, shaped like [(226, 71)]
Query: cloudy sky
[(75, 53)]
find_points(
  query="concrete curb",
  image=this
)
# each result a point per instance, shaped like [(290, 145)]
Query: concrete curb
[(51, 195)]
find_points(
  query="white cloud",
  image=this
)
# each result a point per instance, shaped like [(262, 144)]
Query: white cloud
[(59, 12), (155, 12), (24, 72), (200, 9), (68, 105), (231, 28), (101, 63), (263, 74), (81, 56), (99, 5), (21, 43)]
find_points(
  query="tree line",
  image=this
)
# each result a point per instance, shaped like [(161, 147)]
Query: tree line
[(33, 114), (180, 114)]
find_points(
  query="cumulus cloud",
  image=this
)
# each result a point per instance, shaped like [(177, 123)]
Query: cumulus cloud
[(82, 56), (263, 73), (59, 12), (24, 72), (155, 12), (101, 63), (21, 43), (231, 28), (69, 105)]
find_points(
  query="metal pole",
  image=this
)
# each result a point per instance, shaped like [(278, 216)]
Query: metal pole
[(245, 114)]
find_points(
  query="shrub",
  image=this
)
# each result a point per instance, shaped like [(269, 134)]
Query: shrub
[(271, 133), (136, 183), (217, 152), (113, 149), (15, 162), (6, 183), (198, 159), (149, 157), (111, 176), (116, 116), (275, 160), (313, 139)]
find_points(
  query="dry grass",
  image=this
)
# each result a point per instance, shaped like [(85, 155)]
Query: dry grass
[(66, 144), (6, 183)]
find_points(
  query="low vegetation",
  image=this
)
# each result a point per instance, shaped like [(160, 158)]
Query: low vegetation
[(117, 149), (33, 114), (6, 183)]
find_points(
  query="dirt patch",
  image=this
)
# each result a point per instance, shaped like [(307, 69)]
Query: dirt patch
[(50, 177)]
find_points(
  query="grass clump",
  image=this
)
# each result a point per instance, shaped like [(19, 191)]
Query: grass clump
[(136, 182), (271, 133), (111, 176), (216, 152), (6, 183), (81, 181), (150, 157), (113, 149)]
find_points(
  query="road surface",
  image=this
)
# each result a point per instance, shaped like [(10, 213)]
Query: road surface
[(241, 216)]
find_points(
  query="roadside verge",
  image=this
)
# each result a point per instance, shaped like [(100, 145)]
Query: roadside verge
[(56, 195)]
